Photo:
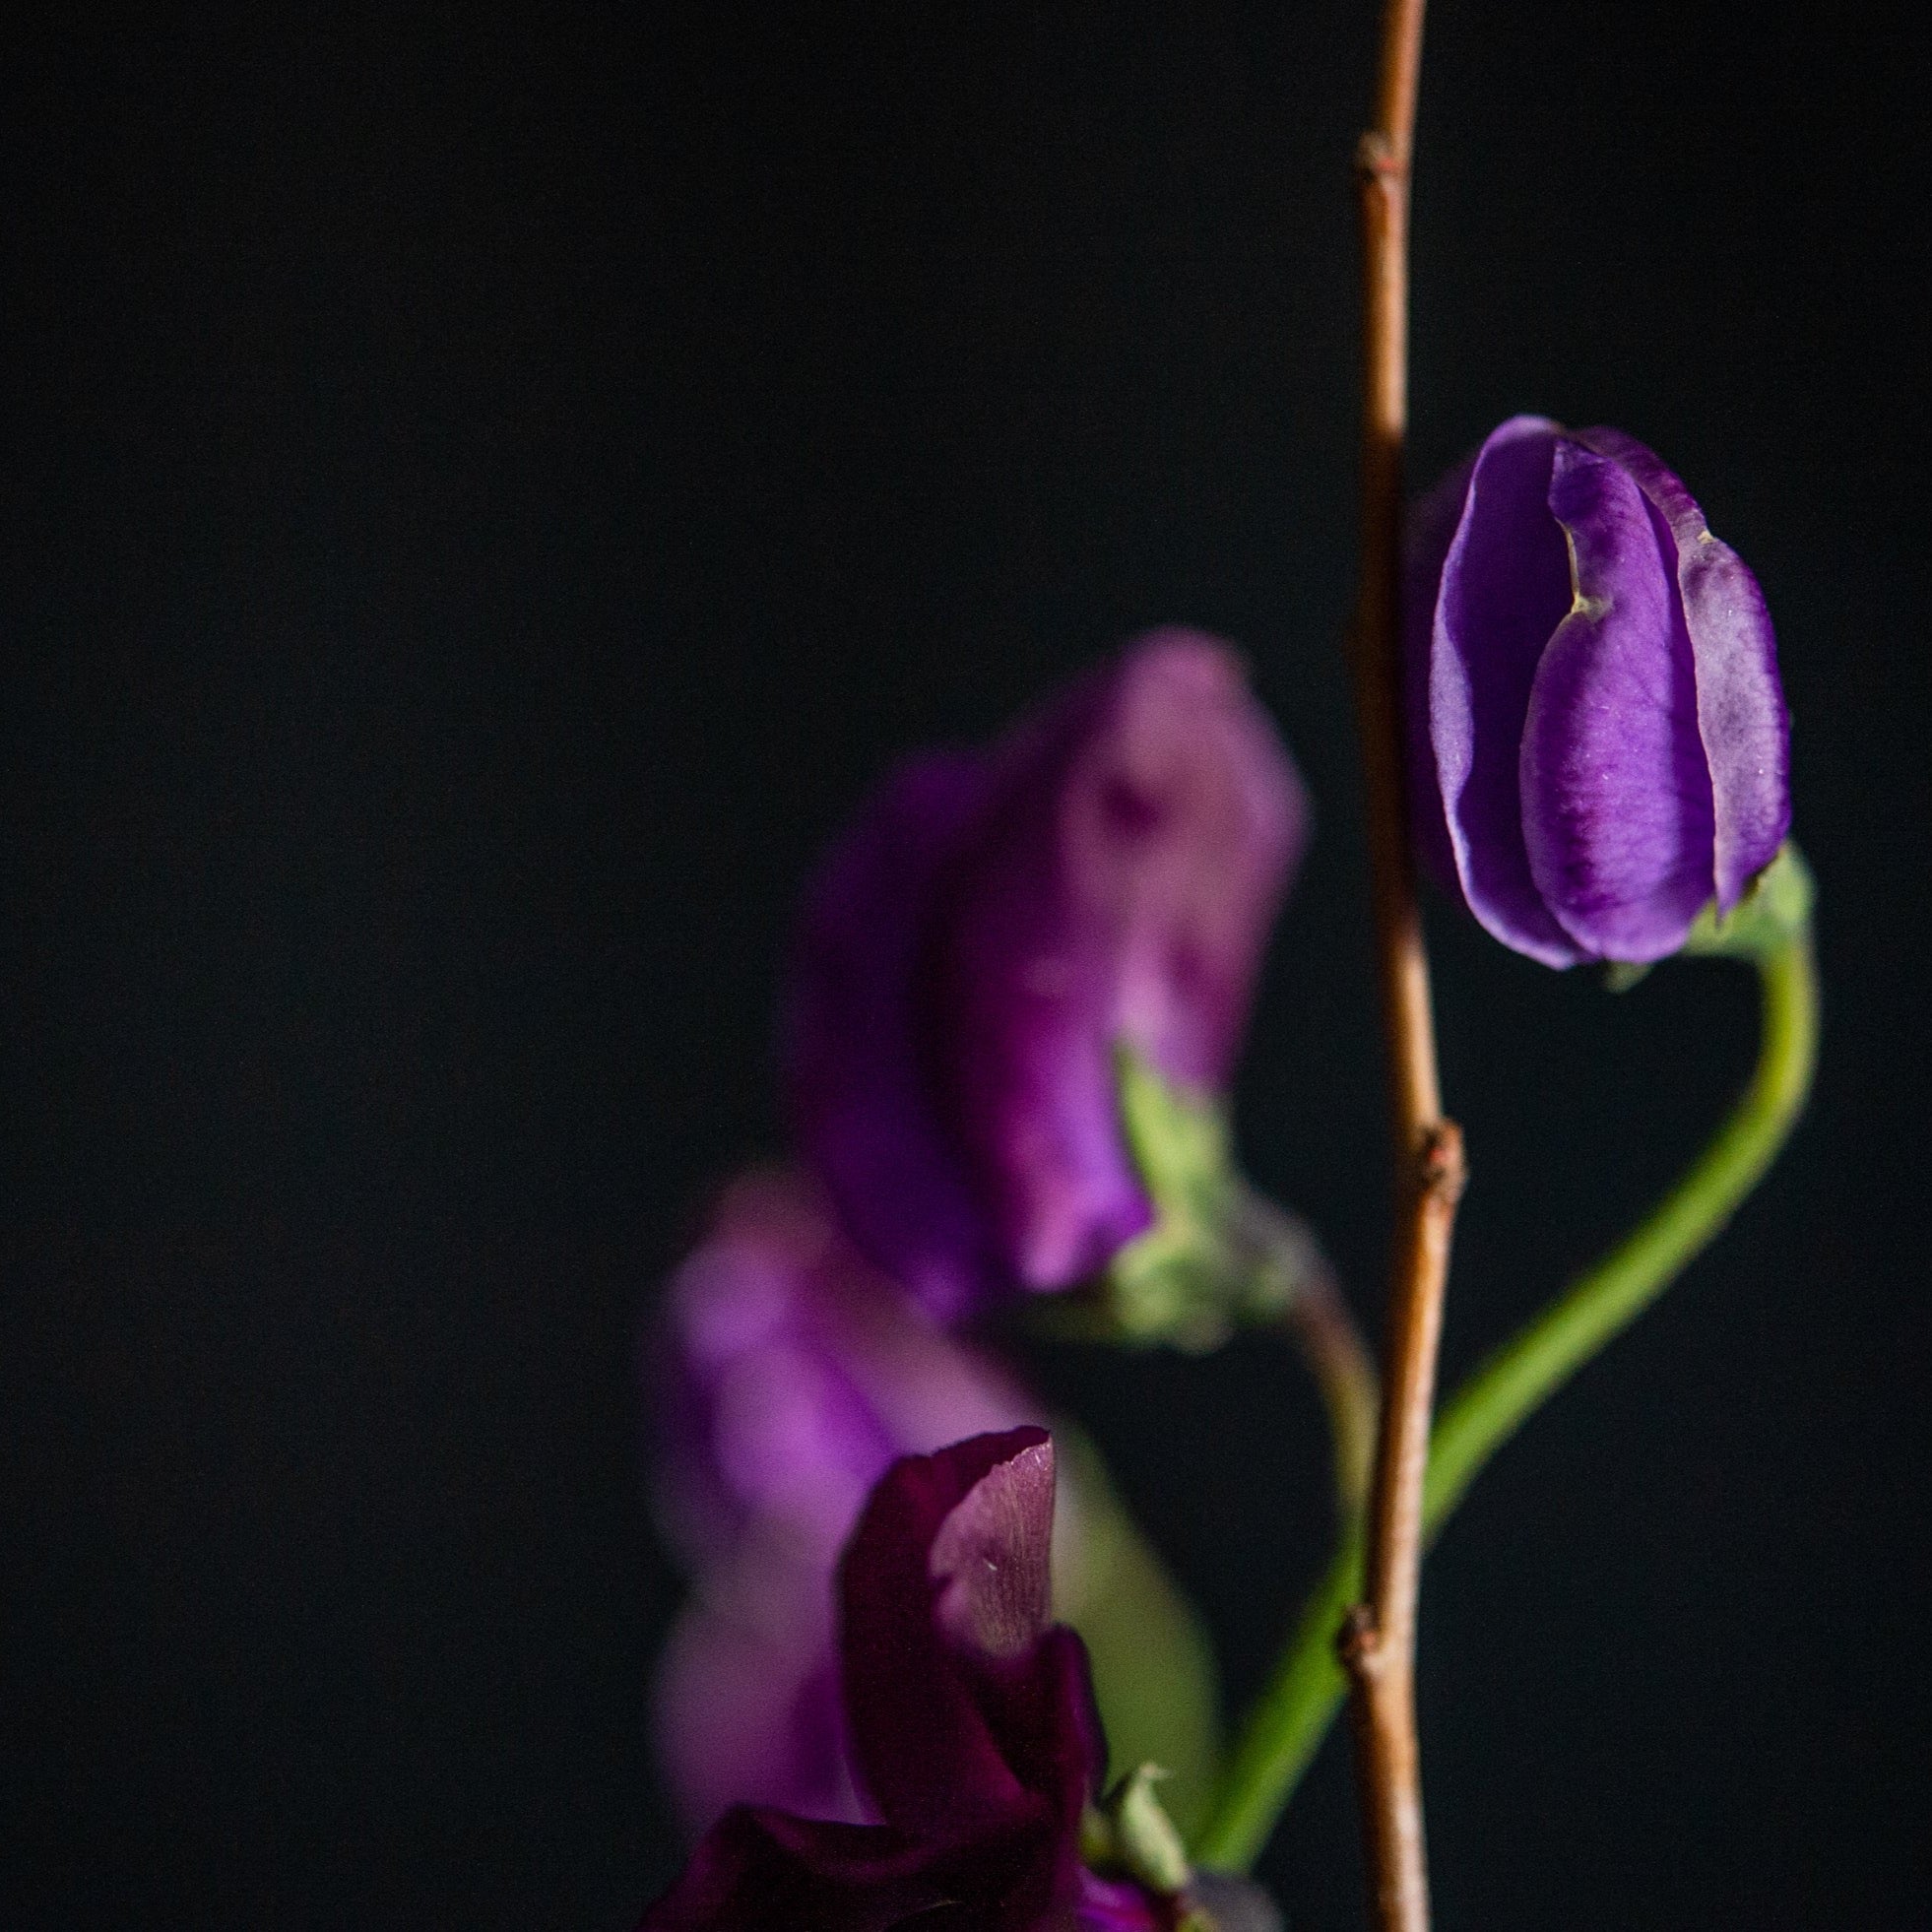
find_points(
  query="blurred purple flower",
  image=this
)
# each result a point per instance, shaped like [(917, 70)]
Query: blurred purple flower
[(1598, 740), (787, 1376), (995, 926), (972, 1721)]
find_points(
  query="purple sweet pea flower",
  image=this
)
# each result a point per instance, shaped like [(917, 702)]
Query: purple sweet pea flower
[(995, 926), (972, 1721), (788, 1375), (1598, 740)]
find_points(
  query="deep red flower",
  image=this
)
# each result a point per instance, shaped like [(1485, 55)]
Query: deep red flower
[(972, 1722)]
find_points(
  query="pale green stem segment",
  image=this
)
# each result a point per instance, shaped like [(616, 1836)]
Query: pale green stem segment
[(1294, 1710)]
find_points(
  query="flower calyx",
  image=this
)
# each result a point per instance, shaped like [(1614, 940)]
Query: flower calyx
[(1775, 912), (1128, 1836), (1216, 1258)]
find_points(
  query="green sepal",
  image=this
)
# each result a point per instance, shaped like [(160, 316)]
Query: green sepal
[(1130, 1835), (1145, 1844), (1776, 909), (1180, 1141), (1216, 1259), (1171, 1284)]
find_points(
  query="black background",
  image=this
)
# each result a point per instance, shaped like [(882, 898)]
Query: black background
[(484, 497)]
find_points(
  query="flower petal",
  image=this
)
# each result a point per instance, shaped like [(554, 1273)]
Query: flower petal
[(1741, 713), (991, 1555), (1182, 827), (996, 928), (1119, 1905), (788, 1375), (757, 1870), (1234, 1904), (1120, 891), (1049, 1728), (751, 1714), (972, 1720), (857, 1070), (1615, 795), (1505, 589), (924, 1736)]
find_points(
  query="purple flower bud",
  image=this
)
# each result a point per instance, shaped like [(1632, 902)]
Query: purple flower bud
[(972, 1719), (995, 926), (1598, 740), (788, 1378)]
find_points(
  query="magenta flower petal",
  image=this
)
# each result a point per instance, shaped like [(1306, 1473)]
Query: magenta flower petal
[(786, 1376), (1123, 892), (1118, 1905), (976, 952), (1237, 1906), (747, 1709), (1598, 739)]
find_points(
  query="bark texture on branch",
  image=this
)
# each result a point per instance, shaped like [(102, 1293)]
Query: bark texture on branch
[(1378, 1643)]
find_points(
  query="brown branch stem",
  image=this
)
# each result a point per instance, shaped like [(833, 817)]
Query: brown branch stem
[(1377, 1644)]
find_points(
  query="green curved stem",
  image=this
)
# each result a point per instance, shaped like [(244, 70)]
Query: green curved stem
[(1294, 1710)]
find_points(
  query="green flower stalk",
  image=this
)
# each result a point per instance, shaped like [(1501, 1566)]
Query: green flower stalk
[(1772, 930)]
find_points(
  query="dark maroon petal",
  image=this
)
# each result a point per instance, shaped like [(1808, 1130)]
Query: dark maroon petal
[(925, 1750), (1616, 796), (968, 1714), (1740, 700), (1505, 589), (972, 1720), (1119, 1905), (755, 1871), (1048, 1731), (1119, 891), (857, 1048)]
